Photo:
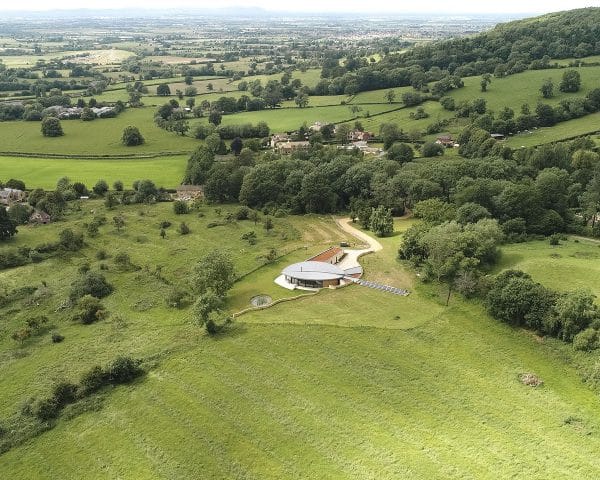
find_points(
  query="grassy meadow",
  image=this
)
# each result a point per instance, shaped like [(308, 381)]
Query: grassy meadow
[(353, 383), (166, 171), (99, 137)]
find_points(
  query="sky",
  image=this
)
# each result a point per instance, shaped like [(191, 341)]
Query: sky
[(400, 6)]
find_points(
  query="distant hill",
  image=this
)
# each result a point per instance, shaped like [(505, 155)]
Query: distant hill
[(514, 46)]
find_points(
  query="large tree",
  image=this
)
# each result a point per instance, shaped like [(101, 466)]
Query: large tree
[(571, 81), (7, 227), (132, 136), (215, 272), (51, 127)]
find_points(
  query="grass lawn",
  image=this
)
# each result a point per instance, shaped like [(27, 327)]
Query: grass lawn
[(99, 137), (353, 383), (166, 171), (568, 266)]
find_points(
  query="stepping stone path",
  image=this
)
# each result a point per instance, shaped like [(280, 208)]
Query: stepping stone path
[(379, 286)]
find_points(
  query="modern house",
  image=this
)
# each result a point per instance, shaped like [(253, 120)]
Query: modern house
[(332, 255), (311, 274)]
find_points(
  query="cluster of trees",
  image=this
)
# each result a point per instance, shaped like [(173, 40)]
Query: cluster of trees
[(452, 252), (121, 370), (354, 77), (513, 297), (507, 122), (532, 191), (229, 132), (508, 48)]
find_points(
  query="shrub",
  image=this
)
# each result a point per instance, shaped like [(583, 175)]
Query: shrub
[(45, 409), (57, 337), (123, 260), (89, 310), (70, 241), (123, 370), (242, 213), (90, 283), (132, 136), (184, 229), (554, 239), (101, 187), (432, 149), (101, 254), (51, 127), (587, 340), (92, 381), (180, 207), (165, 224), (177, 298)]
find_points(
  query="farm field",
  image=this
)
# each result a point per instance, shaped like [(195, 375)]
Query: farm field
[(284, 119), (103, 57), (346, 384), (515, 90), (590, 124), (99, 137), (43, 173)]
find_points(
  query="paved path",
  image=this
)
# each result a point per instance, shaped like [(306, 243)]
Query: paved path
[(350, 260), (346, 225)]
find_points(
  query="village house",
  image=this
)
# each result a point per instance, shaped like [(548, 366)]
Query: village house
[(189, 192), (68, 113), (290, 147), (11, 195), (279, 138), (39, 217), (446, 141), (359, 136)]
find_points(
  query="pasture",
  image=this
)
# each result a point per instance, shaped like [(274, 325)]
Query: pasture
[(43, 173), (353, 383), (99, 137)]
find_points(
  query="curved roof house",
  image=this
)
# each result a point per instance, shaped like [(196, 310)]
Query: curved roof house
[(313, 274)]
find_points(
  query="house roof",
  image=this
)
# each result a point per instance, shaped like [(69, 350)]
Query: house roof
[(326, 255), (311, 270), (189, 188)]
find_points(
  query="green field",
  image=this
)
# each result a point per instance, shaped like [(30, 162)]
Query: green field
[(285, 119), (353, 383), (100, 57), (515, 90), (99, 137), (166, 171), (590, 124), (568, 266)]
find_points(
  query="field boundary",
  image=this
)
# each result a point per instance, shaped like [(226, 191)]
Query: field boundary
[(272, 304), (122, 156)]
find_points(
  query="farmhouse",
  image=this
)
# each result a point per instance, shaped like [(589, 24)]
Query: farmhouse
[(11, 195), (359, 136), (498, 136), (39, 217), (189, 192), (290, 147), (279, 138), (446, 141)]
